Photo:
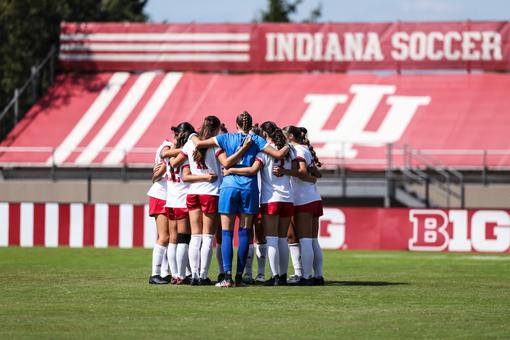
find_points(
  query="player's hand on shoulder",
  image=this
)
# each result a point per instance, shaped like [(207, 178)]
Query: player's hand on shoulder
[(226, 172), (247, 141), (212, 177)]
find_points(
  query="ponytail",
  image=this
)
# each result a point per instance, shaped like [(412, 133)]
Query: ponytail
[(244, 121), (306, 141)]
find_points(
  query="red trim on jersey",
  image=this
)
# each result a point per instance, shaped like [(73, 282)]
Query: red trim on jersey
[(184, 154), (64, 224), (14, 223), (300, 159), (260, 160), (89, 213), (219, 152), (39, 220), (113, 225), (185, 166)]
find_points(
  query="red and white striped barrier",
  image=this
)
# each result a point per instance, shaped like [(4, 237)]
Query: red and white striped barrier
[(76, 225)]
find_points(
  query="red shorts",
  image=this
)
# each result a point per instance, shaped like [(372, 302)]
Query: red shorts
[(208, 203), (156, 206), (283, 209), (176, 214), (314, 208)]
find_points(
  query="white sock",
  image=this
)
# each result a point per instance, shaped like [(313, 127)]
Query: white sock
[(317, 257), (205, 255), (157, 258), (283, 251), (219, 259), (172, 261), (194, 255), (261, 252), (182, 259), (295, 254), (273, 254), (249, 261), (188, 267), (306, 256), (165, 271)]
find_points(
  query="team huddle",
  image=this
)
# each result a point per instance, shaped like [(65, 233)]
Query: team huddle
[(262, 175)]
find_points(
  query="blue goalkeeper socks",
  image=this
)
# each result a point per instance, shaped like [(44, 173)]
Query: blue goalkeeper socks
[(226, 249), (242, 250)]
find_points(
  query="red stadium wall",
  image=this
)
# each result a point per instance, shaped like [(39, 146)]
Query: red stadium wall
[(95, 118), (285, 47), (127, 226)]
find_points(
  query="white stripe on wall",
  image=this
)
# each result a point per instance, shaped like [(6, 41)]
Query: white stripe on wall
[(241, 57), (157, 36), (126, 226), (4, 224), (26, 237), (145, 118), (76, 227), (176, 47), (101, 225), (149, 229), (87, 121), (51, 225), (118, 117)]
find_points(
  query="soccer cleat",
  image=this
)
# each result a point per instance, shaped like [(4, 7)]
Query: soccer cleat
[(167, 278), (157, 280), (194, 282), (272, 281), (221, 277), (226, 283), (239, 281), (186, 280), (248, 279), (282, 280), (260, 278), (293, 280), (205, 282), (318, 281), (305, 282)]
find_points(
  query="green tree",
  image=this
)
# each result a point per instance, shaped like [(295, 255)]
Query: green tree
[(29, 28), (281, 10)]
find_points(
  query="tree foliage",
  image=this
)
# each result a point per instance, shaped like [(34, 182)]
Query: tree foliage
[(281, 11), (29, 28)]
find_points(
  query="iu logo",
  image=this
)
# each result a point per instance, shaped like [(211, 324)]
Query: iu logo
[(485, 231), (351, 128)]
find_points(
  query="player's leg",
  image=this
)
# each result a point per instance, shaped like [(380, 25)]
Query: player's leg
[(227, 236), (303, 224), (219, 258), (283, 249), (243, 236), (260, 249), (172, 249), (295, 253), (270, 223), (159, 250), (183, 240), (248, 269), (317, 251), (210, 219), (195, 220)]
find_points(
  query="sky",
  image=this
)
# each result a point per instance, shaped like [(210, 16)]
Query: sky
[(235, 11)]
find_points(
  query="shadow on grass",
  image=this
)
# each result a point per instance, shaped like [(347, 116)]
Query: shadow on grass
[(364, 283)]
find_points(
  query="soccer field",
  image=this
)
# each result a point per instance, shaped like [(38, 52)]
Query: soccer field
[(92, 293)]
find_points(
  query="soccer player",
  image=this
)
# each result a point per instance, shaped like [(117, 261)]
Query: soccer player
[(157, 199), (177, 190), (205, 176), (307, 204), (276, 202), (239, 194)]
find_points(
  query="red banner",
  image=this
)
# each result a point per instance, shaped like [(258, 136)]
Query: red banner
[(127, 226), (286, 47)]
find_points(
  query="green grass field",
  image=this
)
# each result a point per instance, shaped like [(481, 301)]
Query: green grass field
[(94, 293)]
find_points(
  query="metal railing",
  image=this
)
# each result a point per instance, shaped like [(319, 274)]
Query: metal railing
[(41, 76)]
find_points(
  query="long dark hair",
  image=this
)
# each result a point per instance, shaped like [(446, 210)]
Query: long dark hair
[(183, 131), (300, 135), (276, 134), (244, 121), (209, 126)]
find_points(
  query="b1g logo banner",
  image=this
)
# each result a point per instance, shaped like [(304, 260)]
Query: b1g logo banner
[(454, 230), (285, 47)]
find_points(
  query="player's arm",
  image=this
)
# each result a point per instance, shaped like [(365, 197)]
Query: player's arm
[(228, 162), (178, 160), (206, 143), (158, 171), (277, 154), (169, 152), (298, 170), (187, 176), (247, 171)]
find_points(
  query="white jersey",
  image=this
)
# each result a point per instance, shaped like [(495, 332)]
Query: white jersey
[(274, 188), (158, 189), (212, 165), (304, 192), (177, 189)]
